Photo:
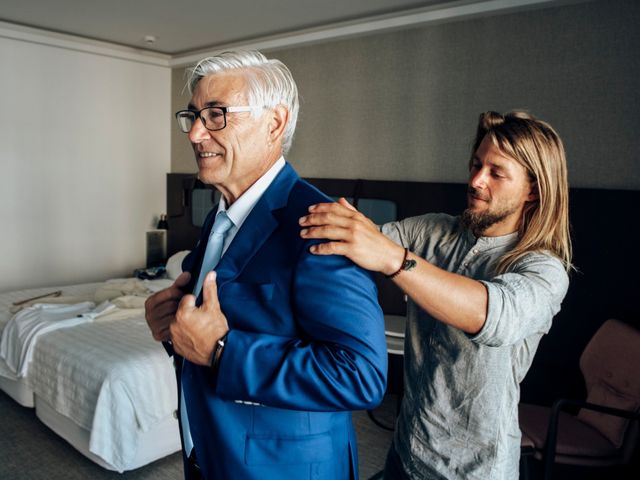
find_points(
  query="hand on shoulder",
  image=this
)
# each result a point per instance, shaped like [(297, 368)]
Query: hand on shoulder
[(351, 234)]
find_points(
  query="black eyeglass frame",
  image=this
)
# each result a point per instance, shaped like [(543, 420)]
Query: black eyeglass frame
[(197, 114)]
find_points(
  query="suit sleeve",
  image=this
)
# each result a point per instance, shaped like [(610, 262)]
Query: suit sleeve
[(338, 362)]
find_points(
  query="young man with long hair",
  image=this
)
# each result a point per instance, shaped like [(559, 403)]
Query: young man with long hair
[(482, 289)]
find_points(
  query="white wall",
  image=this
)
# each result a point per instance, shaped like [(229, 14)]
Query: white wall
[(84, 149)]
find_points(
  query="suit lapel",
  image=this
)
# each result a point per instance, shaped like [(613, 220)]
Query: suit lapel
[(257, 228)]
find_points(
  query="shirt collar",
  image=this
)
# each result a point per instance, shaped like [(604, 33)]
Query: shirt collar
[(505, 241), (241, 208)]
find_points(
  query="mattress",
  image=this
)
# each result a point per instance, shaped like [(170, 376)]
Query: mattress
[(105, 386), (19, 390)]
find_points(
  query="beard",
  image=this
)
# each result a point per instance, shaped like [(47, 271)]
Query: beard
[(479, 222)]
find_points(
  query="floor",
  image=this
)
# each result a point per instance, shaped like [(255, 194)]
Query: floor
[(29, 450)]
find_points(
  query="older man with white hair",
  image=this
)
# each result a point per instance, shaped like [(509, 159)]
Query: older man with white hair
[(273, 345)]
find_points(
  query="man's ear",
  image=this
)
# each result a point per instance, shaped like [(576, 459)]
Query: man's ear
[(278, 122), (534, 194)]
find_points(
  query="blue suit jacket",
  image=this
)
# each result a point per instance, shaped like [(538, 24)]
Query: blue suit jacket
[(305, 347)]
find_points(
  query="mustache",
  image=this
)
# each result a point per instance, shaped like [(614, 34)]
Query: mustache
[(475, 193)]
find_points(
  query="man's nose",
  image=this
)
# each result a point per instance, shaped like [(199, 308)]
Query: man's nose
[(198, 132), (478, 179)]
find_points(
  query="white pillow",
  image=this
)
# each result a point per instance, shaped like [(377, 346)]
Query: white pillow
[(174, 264)]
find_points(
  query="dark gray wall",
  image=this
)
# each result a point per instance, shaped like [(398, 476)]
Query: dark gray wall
[(403, 105)]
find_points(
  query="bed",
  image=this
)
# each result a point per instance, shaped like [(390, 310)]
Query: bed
[(100, 381)]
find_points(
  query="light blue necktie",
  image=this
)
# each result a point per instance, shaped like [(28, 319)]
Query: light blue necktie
[(213, 252), (212, 256)]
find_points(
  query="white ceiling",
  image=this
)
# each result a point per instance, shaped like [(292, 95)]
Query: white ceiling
[(185, 26), (181, 28)]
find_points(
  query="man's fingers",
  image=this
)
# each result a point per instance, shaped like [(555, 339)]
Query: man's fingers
[(161, 307), (196, 328), (159, 326), (188, 302), (328, 232), (339, 208), (209, 296), (319, 207), (210, 292), (342, 219), (162, 335), (343, 201), (182, 280), (330, 248), (171, 294)]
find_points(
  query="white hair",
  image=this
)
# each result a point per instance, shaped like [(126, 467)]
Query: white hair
[(269, 82)]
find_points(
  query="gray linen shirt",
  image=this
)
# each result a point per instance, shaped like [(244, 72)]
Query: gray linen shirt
[(459, 415)]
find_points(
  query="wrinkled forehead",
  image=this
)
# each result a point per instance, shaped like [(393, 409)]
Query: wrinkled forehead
[(224, 89)]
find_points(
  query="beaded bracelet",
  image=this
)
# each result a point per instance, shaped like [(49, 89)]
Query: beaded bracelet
[(407, 264)]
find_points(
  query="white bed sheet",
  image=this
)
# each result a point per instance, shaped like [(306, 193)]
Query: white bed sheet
[(19, 388), (152, 445), (110, 378)]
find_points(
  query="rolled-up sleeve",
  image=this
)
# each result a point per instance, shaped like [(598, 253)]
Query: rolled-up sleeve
[(523, 301)]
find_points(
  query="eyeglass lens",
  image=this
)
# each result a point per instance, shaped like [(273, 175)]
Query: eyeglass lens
[(213, 118)]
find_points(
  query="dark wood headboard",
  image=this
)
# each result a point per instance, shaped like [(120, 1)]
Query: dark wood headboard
[(182, 234), (604, 230), (411, 198)]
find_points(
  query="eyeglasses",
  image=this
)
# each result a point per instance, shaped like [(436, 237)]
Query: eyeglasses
[(213, 118)]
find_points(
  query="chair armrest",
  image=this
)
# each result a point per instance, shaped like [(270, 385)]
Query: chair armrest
[(552, 432), (617, 412)]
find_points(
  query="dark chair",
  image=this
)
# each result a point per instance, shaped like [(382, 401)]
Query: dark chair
[(605, 430)]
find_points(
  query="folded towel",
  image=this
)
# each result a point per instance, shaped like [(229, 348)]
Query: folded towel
[(21, 332)]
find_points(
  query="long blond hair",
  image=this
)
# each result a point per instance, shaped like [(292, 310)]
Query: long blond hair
[(538, 148)]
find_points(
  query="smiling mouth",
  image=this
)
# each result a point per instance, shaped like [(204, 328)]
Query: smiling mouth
[(207, 154)]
